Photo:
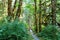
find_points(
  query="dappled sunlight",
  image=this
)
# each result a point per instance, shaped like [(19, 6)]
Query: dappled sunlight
[(29, 19), (0, 18)]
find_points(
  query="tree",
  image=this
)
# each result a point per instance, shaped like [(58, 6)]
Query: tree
[(35, 14), (40, 16), (14, 7), (53, 3), (9, 10), (19, 9)]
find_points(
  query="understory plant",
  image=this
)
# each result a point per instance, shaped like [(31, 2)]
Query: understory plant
[(14, 31), (50, 32)]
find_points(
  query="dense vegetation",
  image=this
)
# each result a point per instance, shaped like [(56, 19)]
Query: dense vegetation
[(50, 32), (14, 31), (29, 19)]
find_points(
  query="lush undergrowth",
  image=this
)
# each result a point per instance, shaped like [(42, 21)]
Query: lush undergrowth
[(50, 32), (14, 31)]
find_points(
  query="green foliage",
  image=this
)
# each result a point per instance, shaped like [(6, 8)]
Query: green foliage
[(51, 32), (14, 28)]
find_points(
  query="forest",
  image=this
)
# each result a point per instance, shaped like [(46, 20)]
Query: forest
[(29, 19)]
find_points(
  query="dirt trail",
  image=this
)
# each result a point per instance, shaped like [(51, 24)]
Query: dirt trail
[(33, 35)]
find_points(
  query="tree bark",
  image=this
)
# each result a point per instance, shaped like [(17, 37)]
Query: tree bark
[(35, 14), (53, 3), (40, 16), (14, 5), (9, 10), (19, 9)]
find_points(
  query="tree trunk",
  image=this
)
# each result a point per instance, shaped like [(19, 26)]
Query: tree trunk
[(40, 16), (35, 14), (14, 5), (19, 9), (53, 3), (9, 10)]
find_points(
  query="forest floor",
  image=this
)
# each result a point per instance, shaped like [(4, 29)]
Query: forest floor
[(33, 35)]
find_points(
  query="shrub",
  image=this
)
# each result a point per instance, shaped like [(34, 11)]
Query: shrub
[(14, 31), (50, 33)]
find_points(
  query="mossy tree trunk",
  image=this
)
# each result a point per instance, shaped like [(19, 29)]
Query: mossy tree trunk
[(19, 9), (40, 16), (9, 10), (36, 17), (14, 8), (53, 3)]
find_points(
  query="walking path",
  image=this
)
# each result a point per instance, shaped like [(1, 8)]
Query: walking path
[(33, 35)]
